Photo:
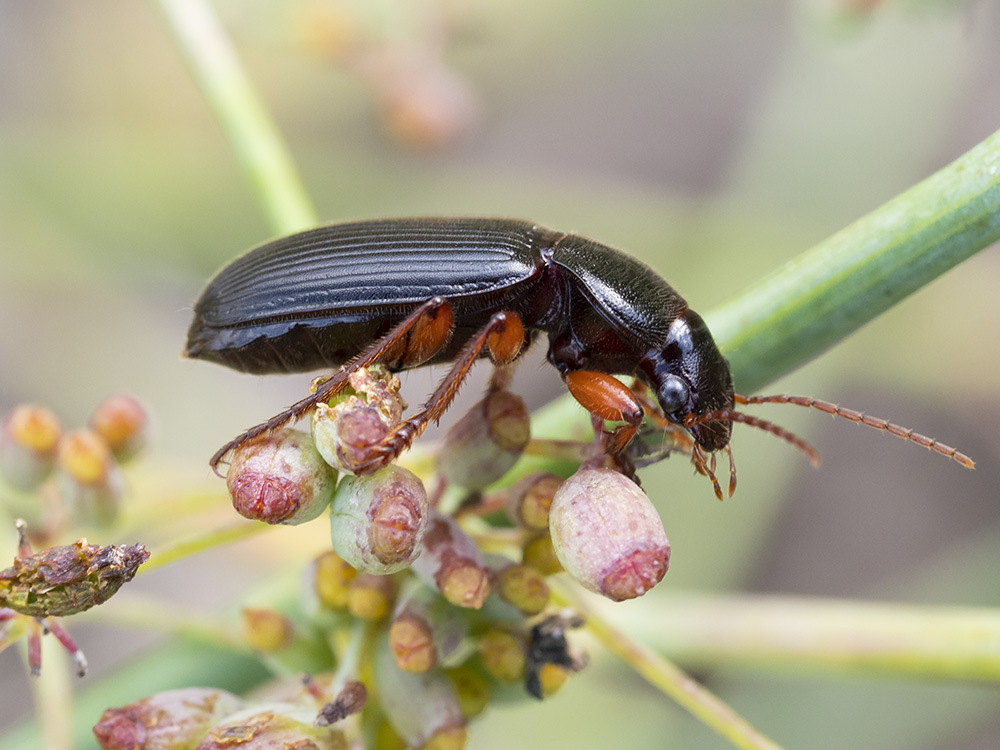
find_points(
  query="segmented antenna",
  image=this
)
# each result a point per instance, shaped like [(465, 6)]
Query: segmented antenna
[(858, 418)]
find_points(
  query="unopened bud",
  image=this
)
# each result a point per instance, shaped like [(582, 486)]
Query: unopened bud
[(452, 563), (65, 580), (329, 580), (420, 707), (529, 500), (485, 443), (377, 522), (472, 688), (280, 478), (90, 481), (278, 725), (522, 587), (426, 630), (29, 439), (123, 422), (608, 535), (539, 553), (551, 677), (173, 720), (504, 654), (266, 630), (370, 596), (348, 429), (424, 103)]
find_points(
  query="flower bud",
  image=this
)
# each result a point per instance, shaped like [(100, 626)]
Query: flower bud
[(328, 582), (346, 430), (377, 522), (472, 688), (123, 423), (529, 500), (277, 725), (280, 478), (90, 481), (484, 444), (608, 535), (522, 587), (539, 553), (370, 596), (29, 439), (173, 720), (504, 654), (422, 708), (452, 563), (266, 630), (426, 630)]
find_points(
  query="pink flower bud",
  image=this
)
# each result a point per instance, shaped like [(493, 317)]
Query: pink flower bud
[(280, 478), (377, 522), (484, 444), (452, 563), (422, 708), (123, 422), (608, 535)]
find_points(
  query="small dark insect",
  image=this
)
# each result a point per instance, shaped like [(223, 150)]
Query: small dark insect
[(413, 292), (547, 644)]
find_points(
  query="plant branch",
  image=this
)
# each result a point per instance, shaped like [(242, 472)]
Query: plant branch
[(251, 132)]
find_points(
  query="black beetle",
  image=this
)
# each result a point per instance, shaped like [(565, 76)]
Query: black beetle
[(410, 292)]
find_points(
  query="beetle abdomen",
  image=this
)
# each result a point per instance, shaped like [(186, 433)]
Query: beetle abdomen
[(314, 299)]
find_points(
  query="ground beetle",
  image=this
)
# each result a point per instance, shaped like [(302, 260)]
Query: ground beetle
[(412, 292)]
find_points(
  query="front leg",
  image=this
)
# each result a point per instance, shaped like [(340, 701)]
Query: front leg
[(609, 399)]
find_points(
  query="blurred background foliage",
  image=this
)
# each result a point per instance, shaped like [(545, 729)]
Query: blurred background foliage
[(712, 138)]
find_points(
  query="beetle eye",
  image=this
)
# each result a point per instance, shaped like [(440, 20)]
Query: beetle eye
[(673, 394)]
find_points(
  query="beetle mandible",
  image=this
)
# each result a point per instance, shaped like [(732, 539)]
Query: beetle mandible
[(420, 291)]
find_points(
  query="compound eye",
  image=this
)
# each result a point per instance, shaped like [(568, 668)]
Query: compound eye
[(673, 394)]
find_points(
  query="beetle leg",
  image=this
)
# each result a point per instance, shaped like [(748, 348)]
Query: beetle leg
[(403, 436), (412, 339), (608, 398)]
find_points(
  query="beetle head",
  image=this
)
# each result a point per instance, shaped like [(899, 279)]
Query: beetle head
[(691, 377)]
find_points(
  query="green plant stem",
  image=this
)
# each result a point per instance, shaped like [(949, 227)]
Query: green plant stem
[(893, 640), (257, 143), (823, 295), (200, 542), (672, 681)]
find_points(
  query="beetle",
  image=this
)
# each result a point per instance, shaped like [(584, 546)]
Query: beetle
[(418, 291)]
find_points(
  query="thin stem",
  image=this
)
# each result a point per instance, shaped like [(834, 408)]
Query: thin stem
[(812, 634), (256, 141), (670, 680), (200, 542)]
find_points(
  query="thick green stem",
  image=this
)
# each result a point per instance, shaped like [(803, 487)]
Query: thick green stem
[(823, 295)]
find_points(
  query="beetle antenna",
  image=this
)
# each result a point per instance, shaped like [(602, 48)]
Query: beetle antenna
[(859, 417), (730, 415)]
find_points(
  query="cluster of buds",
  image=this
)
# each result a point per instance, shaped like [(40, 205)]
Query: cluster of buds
[(451, 590), (80, 470), (61, 478)]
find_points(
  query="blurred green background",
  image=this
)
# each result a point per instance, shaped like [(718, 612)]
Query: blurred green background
[(712, 138)]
